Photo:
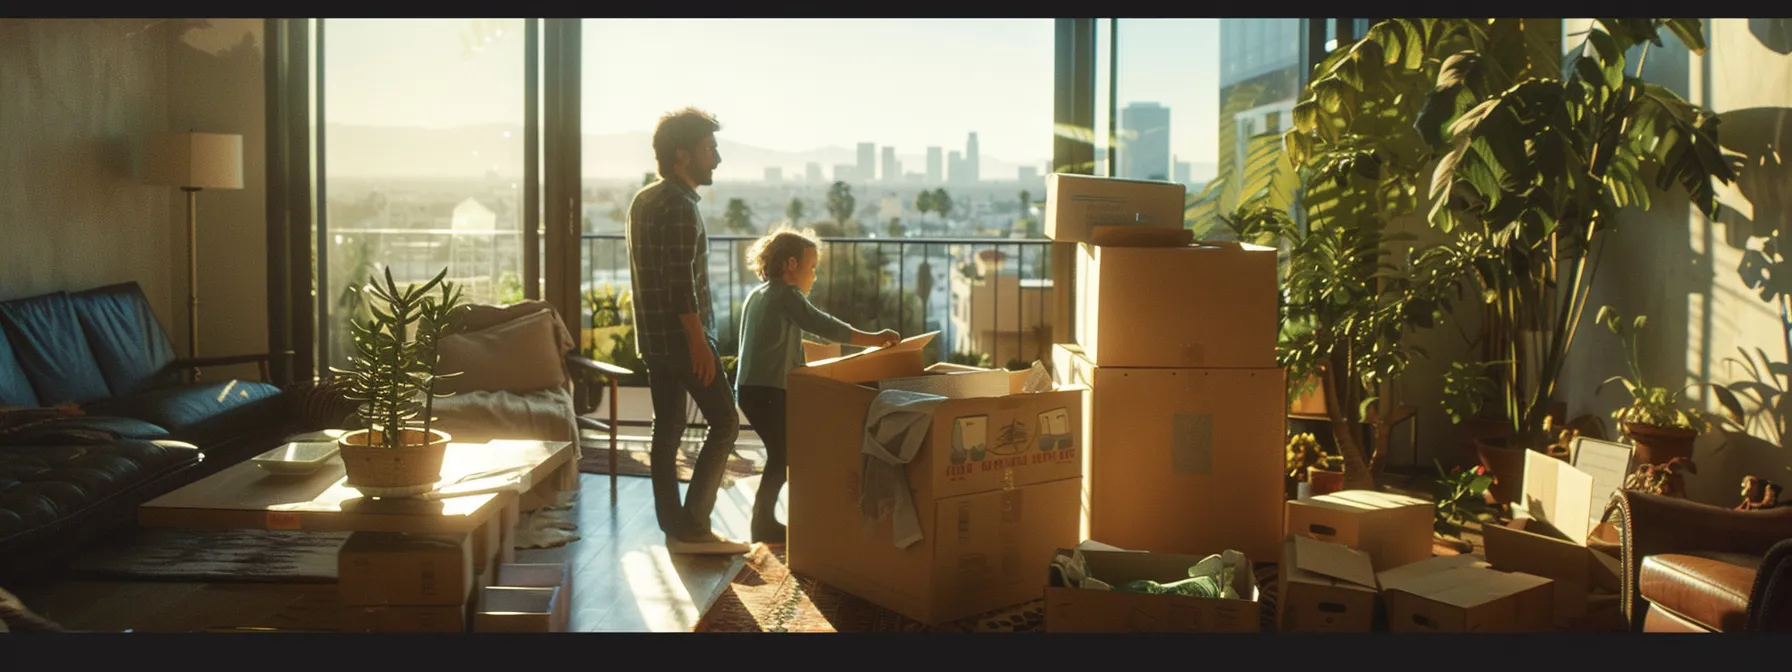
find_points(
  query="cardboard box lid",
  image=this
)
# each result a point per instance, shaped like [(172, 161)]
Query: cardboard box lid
[(861, 367), (1330, 563), (1556, 493), (1363, 501), (1109, 235), (1468, 587)]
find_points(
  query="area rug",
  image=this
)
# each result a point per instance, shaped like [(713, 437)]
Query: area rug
[(766, 597), (635, 460)]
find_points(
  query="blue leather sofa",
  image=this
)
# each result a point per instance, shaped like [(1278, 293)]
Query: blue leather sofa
[(144, 427)]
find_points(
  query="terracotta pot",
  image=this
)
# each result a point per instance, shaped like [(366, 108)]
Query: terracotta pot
[(1323, 482), (1471, 431), (411, 469), (1657, 445), (1506, 465)]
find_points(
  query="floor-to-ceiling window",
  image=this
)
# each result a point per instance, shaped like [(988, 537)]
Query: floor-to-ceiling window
[(422, 160)]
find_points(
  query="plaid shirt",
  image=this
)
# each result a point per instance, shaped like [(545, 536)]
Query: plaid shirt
[(668, 263)]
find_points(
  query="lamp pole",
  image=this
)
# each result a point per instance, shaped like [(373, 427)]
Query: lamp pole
[(192, 276)]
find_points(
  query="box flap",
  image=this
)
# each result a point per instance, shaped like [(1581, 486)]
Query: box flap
[(1367, 500), (1400, 577), (1555, 492), (1140, 236), (962, 385), (1333, 560), (1468, 587), (863, 366), (1608, 463)]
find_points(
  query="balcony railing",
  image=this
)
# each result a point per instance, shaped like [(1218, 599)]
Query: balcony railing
[(986, 296)]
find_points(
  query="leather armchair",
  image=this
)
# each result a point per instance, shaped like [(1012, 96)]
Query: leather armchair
[(1690, 567)]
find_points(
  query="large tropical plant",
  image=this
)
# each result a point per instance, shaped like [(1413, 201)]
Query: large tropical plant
[(392, 374), (1536, 169)]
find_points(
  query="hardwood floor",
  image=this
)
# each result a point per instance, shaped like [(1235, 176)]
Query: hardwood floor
[(623, 578)]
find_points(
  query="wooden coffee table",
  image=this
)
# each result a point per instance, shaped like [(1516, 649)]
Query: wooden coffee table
[(244, 496)]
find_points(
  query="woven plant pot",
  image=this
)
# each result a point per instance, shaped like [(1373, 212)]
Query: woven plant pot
[(411, 469)]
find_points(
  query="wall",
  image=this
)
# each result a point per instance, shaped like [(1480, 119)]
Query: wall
[(80, 97)]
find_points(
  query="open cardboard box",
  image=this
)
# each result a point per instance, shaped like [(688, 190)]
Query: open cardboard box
[(542, 575), (1094, 610), (514, 609), (1324, 587), (1549, 537), (1393, 529), (1461, 593), (995, 486)]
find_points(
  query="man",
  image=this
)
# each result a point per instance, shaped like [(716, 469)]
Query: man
[(668, 258)]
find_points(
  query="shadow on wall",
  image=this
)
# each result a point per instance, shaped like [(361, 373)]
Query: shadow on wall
[(1775, 34)]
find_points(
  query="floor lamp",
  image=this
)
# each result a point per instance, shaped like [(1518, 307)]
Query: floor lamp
[(194, 162)]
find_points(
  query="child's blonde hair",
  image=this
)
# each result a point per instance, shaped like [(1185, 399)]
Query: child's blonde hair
[(766, 256)]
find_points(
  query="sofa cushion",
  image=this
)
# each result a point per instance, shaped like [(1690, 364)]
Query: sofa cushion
[(125, 428), (1710, 589), (128, 343), (15, 390), (520, 355), (203, 413), (46, 337), (40, 485), (481, 416)]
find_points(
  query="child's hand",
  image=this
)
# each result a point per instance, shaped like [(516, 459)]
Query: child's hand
[(888, 337)]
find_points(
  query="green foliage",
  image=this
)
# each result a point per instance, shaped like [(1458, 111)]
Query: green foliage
[(1766, 389), (610, 307), (1468, 389), (1658, 406), (738, 218), (1459, 496), (393, 373), (841, 202)]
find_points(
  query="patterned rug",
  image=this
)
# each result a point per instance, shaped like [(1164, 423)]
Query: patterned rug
[(635, 460), (766, 597)]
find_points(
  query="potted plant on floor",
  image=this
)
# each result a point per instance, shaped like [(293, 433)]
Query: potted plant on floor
[(1655, 420), (1311, 470), (1459, 497), (392, 378)]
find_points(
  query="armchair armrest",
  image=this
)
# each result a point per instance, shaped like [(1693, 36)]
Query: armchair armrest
[(1653, 525), (1770, 603), (606, 368)]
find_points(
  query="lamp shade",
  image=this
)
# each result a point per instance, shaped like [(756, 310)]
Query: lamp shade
[(194, 160)]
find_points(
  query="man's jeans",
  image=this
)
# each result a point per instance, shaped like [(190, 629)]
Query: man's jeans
[(670, 379)]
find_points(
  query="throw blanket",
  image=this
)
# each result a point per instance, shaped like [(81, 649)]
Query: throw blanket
[(24, 425), (895, 426)]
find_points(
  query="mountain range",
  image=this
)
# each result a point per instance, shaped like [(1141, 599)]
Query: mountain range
[(355, 151)]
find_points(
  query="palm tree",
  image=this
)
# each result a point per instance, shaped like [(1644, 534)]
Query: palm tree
[(841, 202), (924, 203), (794, 212), (738, 218)]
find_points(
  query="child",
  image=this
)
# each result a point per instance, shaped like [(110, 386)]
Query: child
[(773, 319)]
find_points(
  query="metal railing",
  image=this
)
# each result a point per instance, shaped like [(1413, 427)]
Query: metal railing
[(884, 283)]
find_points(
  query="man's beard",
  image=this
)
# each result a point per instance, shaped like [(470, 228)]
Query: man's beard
[(705, 177)]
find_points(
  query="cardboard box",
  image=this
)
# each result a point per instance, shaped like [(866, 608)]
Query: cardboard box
[(814, 352), (1324, 587), (1393, 529), (411, 570), (389, 619), (1088, 610), (513, 609), (995, 487), (1181, 460), (1076, 204), (1210, 305), (542, 575), (1549, 538), (1462, 593)]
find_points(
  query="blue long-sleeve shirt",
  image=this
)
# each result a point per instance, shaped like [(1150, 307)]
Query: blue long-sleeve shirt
[(772, 321)]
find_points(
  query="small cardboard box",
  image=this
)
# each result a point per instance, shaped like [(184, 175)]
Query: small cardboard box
[(1181, 460), (1549, 538), (1393, 529), (411, 570), (1089, 610), (1324, 587), (1462, 594), (542, 575), (1076, 204), (513, 609), (444, 618), (995, 487), (1207, 305)]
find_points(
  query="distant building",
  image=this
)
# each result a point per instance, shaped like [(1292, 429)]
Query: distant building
[(1028, 174), (845, 173), (892, 167), (973, 159), (812, 172), (935, 172), (955, 171), (1146, 154), (774, 174), (1183, 170), (867, 168), (985, 318)]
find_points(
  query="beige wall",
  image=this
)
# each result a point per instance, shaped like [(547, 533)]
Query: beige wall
[(80, 97)]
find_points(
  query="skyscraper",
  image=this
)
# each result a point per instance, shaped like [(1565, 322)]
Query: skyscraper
[(935, 173), (1259, 82), (973, 160), (892, 167), (1146, 154), (955, 168), (812, 172), (867, 162)]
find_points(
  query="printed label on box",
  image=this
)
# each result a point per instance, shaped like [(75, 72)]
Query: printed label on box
[(970, 439), (1191, 447)]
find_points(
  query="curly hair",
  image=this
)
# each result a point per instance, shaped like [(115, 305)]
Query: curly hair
[(681, 129), (766, 256)]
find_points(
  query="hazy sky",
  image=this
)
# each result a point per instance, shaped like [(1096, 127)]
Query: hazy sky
[(780, 84)]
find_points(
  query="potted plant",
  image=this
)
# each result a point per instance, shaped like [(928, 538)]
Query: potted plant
[(1311, 470), (392, 377), (1655, 420)]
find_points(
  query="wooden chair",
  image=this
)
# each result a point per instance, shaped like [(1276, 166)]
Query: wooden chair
[(610, 373)]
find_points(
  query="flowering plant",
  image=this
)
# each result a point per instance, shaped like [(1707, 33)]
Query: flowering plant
[(1461, 497)]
